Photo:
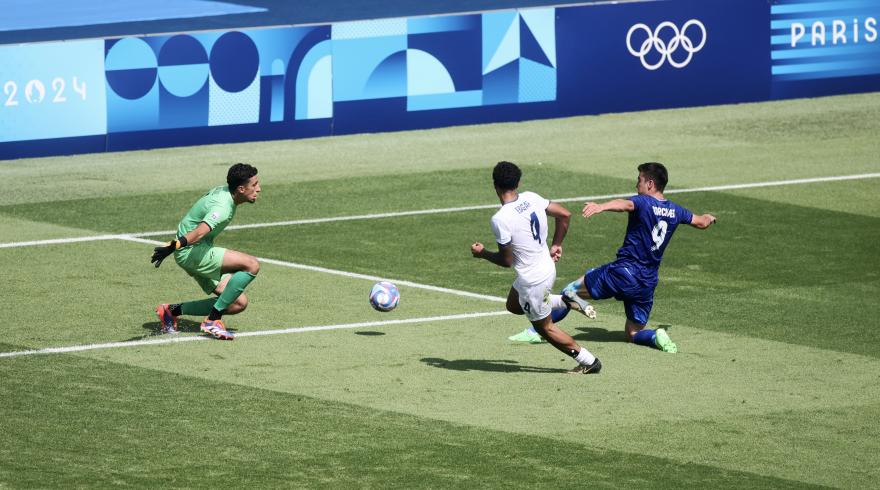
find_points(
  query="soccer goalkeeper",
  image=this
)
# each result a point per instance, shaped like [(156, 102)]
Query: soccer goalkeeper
[(218, 271)]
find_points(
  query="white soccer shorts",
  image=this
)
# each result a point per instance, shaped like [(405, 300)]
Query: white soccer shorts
[(535, 298)]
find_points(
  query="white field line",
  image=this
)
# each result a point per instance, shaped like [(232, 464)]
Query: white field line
[(60, 241), (169, 233), (398, 282), (179, 338), (496, 206), (137, 238), (353, 275)]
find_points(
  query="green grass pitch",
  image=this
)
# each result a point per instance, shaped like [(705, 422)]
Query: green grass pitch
[(775, 311)]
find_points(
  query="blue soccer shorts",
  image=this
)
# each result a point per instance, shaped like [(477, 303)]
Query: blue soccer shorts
[(619, 281)]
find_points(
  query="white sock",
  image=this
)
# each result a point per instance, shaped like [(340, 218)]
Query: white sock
[(556, 301), (585, 357)]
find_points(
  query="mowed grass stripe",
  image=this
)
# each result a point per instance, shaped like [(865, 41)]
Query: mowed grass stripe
[(732, 277), (800, 274), (110, 291), (171, 339), (153, 428), (643, 402), (766, 141), (396, 214)]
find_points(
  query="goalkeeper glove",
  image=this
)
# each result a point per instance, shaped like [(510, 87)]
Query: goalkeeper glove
[(159, 253)]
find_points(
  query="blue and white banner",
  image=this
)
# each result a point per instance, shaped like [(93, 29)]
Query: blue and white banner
[(648, 55), (425, 72), (52, 91), (824, 39), (824, 47)]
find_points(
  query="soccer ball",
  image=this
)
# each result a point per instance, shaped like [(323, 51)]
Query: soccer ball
[(384, 296)]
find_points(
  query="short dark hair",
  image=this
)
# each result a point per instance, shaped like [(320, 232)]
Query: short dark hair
[(656, 172), (239, 174), (506, 176)]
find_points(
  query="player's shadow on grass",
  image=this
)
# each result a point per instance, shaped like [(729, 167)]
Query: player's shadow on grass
[(494, 366), (183, 325), (596, 334)]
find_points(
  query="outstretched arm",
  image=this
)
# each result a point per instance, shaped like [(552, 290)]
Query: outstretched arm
[(503, 257), (702, 221), (563, 217), (616, 205)]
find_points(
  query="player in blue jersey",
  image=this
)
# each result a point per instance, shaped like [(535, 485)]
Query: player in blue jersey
[(632, 277)]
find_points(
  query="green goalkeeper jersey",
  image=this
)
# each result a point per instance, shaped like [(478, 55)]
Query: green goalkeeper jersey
[(216, 208)]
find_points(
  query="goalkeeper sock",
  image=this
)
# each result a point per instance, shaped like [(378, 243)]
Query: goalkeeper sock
[(215, 314), (195, 308), (644, 337), (233, 290)]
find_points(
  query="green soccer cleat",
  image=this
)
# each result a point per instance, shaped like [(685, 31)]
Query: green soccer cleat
[(527, 335), (663, 342)]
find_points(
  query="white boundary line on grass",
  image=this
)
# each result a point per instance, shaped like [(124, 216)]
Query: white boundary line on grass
[(58, 241), (354, 275), (496, 206), (137, 238), (179, 339), (398, 282)]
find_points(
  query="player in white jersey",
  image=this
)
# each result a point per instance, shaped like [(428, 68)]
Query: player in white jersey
[(520, 228)]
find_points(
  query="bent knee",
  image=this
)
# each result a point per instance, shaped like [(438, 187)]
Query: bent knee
[(252, 266)]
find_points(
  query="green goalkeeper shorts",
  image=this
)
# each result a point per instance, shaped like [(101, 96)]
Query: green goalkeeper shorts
[(204, 262)]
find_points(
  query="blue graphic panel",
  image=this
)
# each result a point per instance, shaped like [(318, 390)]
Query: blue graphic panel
[(519, 57), (537, 82), (52, 90), (447, 62), (314, 84), (450, 100), (356, 60), (647, 55), (426, 75), (215, 79), (393, 74), (501, 86), (454, 44), (823, 46)]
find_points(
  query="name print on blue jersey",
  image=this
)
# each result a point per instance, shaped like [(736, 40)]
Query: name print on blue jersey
[(665, 212)]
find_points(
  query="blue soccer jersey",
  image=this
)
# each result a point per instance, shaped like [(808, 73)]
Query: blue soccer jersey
[(648, 231)]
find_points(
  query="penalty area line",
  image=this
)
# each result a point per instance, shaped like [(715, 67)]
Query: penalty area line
[(176, 339)]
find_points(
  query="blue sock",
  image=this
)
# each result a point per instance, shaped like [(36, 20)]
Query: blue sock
[(645, 337), (557, 314), (532, 330), (574, 285)]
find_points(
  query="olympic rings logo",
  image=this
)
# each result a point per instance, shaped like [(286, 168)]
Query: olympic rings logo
[(678, 40)]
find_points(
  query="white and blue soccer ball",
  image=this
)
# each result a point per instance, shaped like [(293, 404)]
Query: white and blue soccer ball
[(384, 296)]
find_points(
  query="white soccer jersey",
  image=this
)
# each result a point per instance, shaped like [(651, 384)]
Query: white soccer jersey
[(522, 224)]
